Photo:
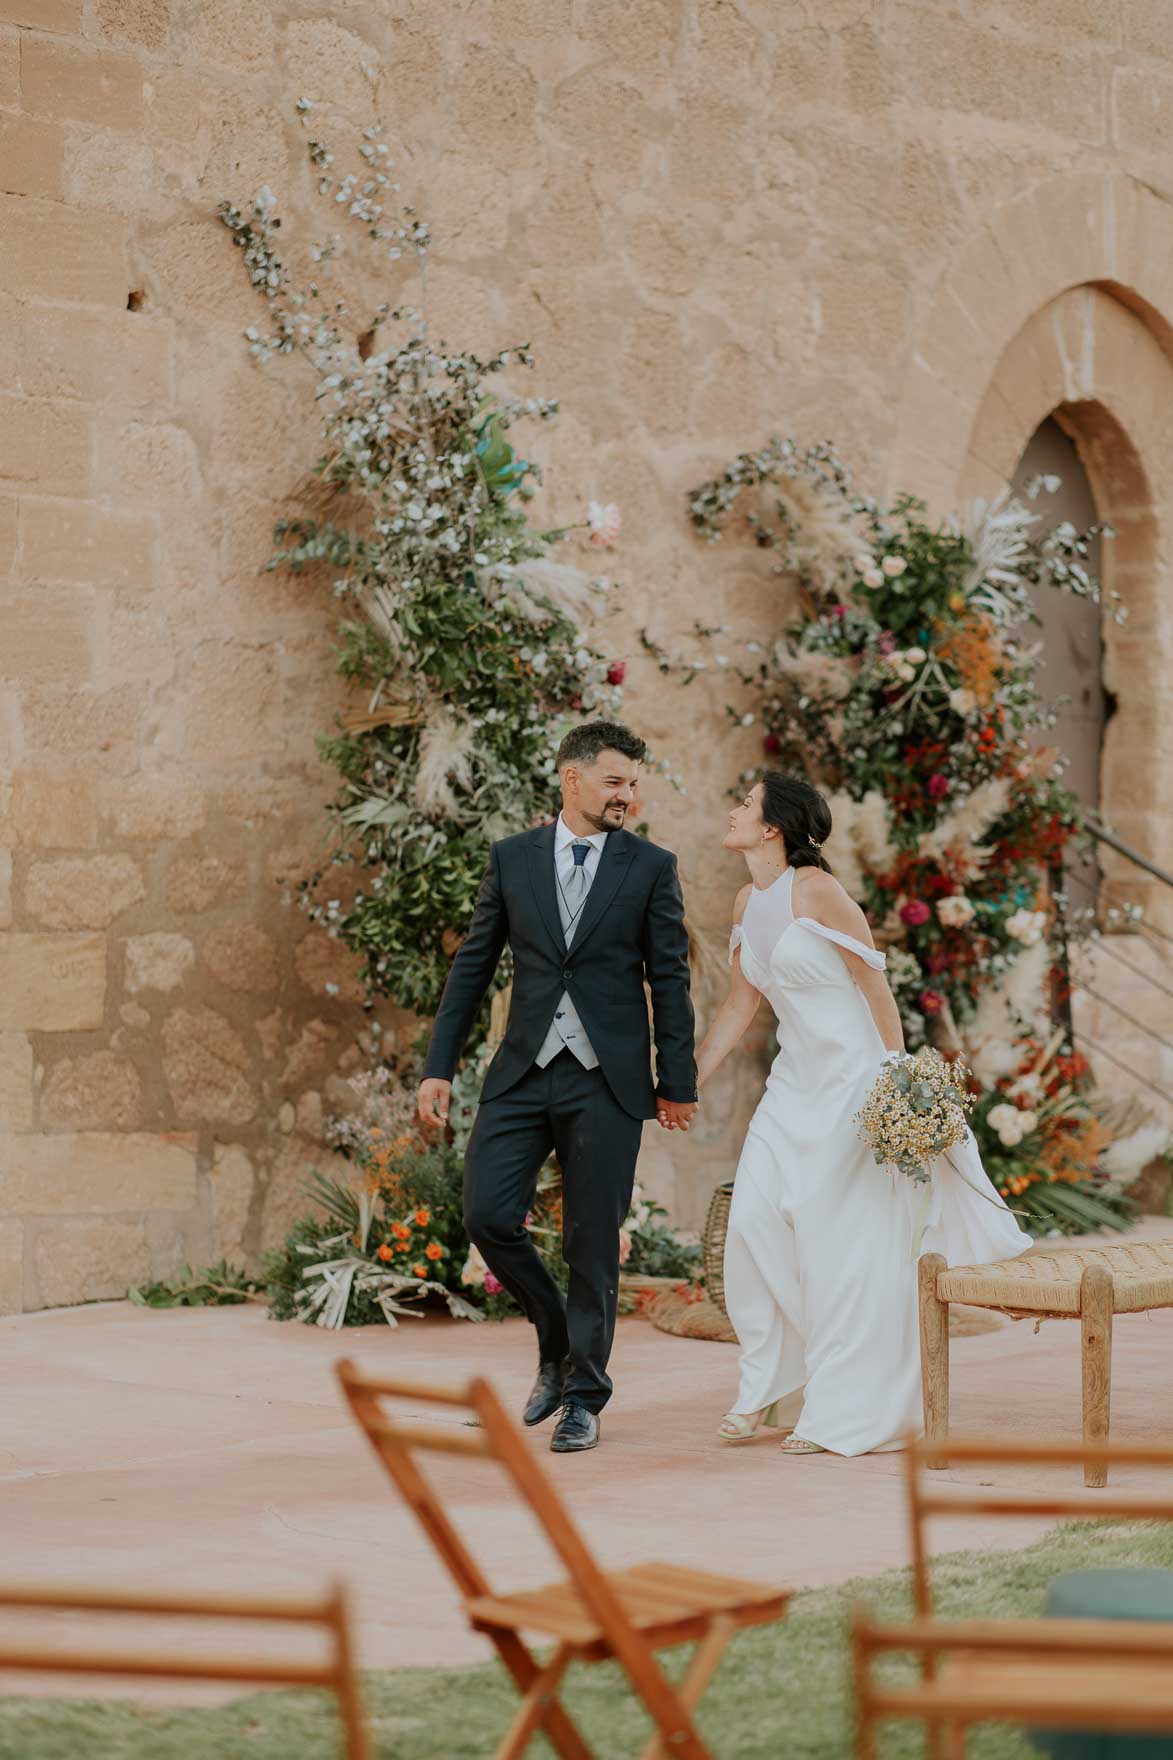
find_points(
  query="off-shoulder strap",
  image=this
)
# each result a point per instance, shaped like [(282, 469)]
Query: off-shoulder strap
[(870, 955), (736, 937)]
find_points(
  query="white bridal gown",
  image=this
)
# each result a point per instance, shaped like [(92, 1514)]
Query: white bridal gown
[(820, 1280)]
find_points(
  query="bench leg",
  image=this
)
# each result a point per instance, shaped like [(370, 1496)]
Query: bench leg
[(934, 1351), (1095, 1307)]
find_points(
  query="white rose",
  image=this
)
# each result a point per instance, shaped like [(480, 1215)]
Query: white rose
[(906, 672), (962, 701), (915, 656), (1026, 926), (893, 566), (1005, 1120), (1027, 1122), (862, 564), (955, 911), (873, 578)]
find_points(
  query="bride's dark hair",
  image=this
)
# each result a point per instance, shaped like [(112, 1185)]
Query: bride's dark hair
[(798, 811)]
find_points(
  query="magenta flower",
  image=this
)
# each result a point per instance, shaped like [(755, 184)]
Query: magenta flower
[(938, 786), (617, 672), (915, 912), (772, 743), (929, 1002), (493, 1285)]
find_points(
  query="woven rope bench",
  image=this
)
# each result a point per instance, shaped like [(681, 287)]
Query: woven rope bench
[(1088, 1284)]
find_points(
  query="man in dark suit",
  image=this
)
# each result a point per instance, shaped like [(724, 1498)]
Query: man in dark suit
[(590, 912)]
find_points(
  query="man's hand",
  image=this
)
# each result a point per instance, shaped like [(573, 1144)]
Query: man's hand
[(676, 1115), (432, 1103)]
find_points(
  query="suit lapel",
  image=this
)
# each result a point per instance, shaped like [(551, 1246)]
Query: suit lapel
[(617, 852), (541, 873)]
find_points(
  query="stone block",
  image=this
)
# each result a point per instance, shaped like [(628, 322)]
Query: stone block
[(86, 1261), (52, 983), (1143, 101), (242, 957), (53, 811), (101, 1092), (77, 541), (196, 883), (46, 444), (9, 68), (309, 1052), (82, 721), (86, 85), (147, 23), (285, 1200), (158, 961), (8, 527), (155, 806), (82, 892), (97, 1173), (233, 1183), (103, 357), (44, 15), (61, 254), (235, 702), (208, 1068), (105, 169), (16, 1082), (46, 635), (328, 967), (154, 464), (31, 157), (12, 1267), (5, 888)]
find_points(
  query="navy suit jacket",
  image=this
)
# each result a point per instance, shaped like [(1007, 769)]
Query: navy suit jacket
[(631, 929)]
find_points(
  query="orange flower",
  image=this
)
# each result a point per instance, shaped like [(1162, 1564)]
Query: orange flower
[(419, 1270), (434, 1250), (401, 1231), (374, 1133), (423, 1217), (383, 1253)]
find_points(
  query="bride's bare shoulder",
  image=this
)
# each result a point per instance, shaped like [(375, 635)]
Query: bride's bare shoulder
[(825, 899), (740, 902)]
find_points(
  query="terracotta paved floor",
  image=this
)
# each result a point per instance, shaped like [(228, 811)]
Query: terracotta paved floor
[(209, 1449)]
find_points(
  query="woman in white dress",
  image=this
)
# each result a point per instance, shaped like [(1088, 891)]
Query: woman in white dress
[(820, 1278)]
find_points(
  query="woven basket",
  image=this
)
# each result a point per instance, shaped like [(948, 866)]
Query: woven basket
[(713, 1245)]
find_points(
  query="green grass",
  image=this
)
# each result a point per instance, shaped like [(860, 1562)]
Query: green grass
[(782, 1690)]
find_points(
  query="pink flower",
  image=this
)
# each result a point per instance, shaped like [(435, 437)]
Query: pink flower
[(929, 1002), (772, 743), (617, 672), (604, 521), (576, 702), (493, 1285), (838, 611), (938, 786), (887, 642), (915, 912)]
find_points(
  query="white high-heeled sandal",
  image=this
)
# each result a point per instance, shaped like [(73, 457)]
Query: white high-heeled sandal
[(737, 1427)]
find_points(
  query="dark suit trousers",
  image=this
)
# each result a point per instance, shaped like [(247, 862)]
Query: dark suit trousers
[(573, 1112)]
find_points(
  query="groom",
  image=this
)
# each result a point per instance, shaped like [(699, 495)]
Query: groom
[(590, 911)]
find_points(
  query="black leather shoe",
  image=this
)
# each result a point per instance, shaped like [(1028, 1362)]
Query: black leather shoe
[(547, 1393), (576, 1430)]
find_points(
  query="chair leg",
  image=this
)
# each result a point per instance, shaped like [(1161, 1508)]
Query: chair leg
[(700, 1672), (535, 1706), (934, 1352), (1095, 1307), (555, 1721)]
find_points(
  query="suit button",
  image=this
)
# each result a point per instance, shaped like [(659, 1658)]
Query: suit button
[(568, 972)]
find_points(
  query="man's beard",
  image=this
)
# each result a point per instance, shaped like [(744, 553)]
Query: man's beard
[(610, 819)]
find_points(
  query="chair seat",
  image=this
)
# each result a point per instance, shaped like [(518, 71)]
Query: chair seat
[(1048, 1282), (1078, 1693), (667, 1603)]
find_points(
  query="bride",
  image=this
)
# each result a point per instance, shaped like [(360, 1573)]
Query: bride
[(820, 1280)]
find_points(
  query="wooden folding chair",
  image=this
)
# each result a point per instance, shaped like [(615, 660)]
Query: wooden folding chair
[(591, 1615), (336, 1673), (1058, 1673)]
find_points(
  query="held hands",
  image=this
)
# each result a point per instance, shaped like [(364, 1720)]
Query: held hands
[(432, 1103), (675, 1115)]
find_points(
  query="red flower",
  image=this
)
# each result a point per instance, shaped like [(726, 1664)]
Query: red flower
[(930, 1002), (772, 743), (576, 701), (937, 962), (838, 611), (617, 672), (937, 786), (914, 913)]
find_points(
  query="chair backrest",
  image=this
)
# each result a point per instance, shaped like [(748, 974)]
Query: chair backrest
[(335, 1673), (496, 1438), (924, 1503)]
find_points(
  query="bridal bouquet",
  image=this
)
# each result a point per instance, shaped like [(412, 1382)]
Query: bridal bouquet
[(916, 1110)]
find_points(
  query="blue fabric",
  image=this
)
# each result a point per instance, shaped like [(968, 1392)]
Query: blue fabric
[(1126, 1593), (580, 852)]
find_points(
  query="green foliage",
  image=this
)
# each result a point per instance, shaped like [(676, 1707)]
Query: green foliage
[(657, 1250), (216, 1286), (458, 634)]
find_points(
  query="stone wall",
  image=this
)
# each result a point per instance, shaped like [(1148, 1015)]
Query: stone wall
[(713, 221)]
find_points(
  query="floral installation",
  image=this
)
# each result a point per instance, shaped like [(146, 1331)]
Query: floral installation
[(905, 687), (460, 631)]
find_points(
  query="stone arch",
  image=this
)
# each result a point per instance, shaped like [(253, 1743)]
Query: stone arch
[(1053, 310)]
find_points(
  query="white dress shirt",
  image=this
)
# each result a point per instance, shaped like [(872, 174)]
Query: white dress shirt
[(566, 1029)]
